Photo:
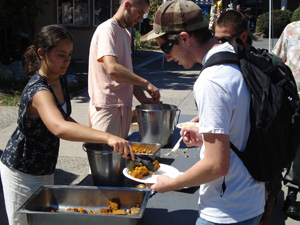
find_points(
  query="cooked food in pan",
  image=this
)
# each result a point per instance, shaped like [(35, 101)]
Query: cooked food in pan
[(139, 149), (113, 209)]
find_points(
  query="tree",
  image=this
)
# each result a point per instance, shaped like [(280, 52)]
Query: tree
[(14, 15), (154, 5)]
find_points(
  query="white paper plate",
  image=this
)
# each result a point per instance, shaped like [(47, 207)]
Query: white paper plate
[(151, 179), (180, 125)]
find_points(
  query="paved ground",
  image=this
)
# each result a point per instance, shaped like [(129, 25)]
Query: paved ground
[(175, 84)]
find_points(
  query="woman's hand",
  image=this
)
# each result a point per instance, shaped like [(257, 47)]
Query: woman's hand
[(121, 146)]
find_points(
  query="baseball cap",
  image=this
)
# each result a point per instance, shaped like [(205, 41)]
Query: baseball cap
[(174, 17)]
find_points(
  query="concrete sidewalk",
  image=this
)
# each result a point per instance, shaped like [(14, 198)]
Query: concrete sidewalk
[(175, 84)]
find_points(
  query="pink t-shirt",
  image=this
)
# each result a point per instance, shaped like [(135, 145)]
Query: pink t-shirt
[(109, 39)]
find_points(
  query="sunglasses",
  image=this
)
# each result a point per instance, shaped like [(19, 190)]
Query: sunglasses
[(227, 38), (167, 46)]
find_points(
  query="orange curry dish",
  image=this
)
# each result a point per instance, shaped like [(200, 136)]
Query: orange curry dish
[(141, 171)]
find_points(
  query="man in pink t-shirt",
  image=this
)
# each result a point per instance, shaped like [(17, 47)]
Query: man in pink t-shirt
[(112, 82)]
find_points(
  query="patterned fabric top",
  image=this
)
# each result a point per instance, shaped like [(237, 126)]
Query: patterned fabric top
[(288, 48), (32, 148)]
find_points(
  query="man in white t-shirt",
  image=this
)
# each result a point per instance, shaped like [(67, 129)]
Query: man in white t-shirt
[(111, 81), (223, 102)]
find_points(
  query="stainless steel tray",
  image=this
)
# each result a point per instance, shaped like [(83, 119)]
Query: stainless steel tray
[(61, 197), (153, 147)]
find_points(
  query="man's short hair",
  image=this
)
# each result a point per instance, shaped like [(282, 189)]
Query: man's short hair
[(233, 18), (137, 2)]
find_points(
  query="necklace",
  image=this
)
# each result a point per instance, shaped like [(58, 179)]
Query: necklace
[(50, 79), (118, 22)]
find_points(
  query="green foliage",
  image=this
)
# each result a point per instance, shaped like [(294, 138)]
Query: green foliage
[(296, 15), (14, 16), (10, 101), (11, 92), (207, 17), (139, 44), (154, 5), (19, 12), (142, 45), (280, 19)]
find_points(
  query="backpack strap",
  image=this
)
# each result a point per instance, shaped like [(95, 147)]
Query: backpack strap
[(221, 58), (235, 149), (216, 59)]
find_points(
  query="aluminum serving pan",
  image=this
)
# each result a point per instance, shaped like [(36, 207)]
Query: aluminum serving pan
[(61, 197), (153, 147)]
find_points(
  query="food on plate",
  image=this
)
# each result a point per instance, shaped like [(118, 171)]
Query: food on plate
[(137, 170), (189, 125), (156, 165), (139, 149)]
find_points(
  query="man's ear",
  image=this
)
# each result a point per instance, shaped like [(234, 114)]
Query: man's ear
[(185, 37), (127, 4), (244, 36)]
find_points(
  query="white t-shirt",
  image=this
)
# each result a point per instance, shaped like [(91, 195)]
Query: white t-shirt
[(109, 39), (223, 102)]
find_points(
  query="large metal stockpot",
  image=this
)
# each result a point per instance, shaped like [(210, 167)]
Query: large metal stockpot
[(61, 197), (156, 122), (106, 165)]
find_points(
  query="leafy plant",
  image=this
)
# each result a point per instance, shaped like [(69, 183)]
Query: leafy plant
[(280, 19), (144, 44), (11, 92), (14, 16), (19, 12), (10, 101), (154, 5), (296, 15), (207, 17)]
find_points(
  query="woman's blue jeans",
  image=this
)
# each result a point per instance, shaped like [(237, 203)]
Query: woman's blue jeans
[(252, 221)]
